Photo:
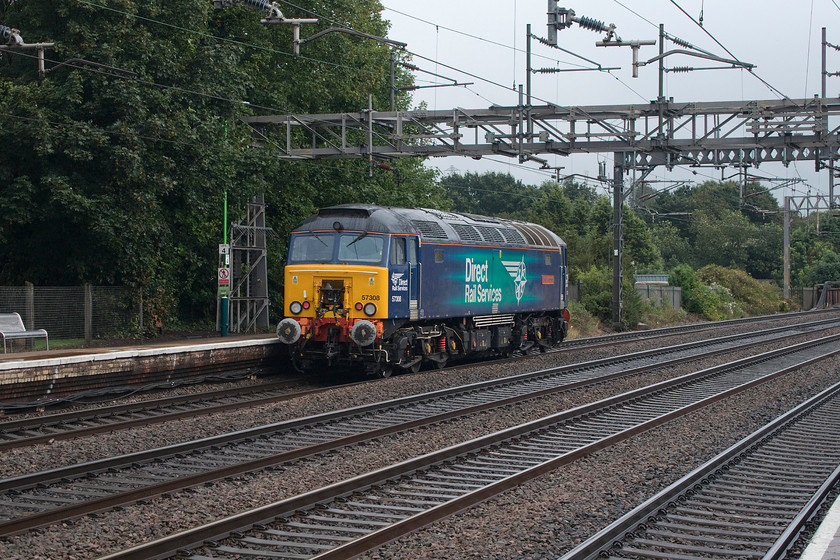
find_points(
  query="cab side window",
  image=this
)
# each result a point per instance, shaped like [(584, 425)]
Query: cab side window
[(412, 250), (398, 250)]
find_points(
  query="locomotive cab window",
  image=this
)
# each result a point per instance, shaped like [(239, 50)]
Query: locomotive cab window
[(398, 250), (412, 250), (360, 248), (312, 248)]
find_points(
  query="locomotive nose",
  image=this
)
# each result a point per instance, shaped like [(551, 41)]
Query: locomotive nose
[(288, 331)]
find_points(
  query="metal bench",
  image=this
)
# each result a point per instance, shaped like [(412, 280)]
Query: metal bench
[(11, 328)]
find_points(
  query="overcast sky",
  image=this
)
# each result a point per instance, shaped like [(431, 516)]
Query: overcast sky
[(487, 38)]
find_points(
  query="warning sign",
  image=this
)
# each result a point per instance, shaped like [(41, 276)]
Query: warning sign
[(224, 282)]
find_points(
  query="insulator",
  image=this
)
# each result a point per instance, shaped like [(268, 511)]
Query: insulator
[(409, 66), (681, 69), (543, 40), (546, 70), (258, 4), (9, 36), (681, 42), (593, 24)]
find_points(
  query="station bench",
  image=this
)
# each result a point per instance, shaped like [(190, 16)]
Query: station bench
[(11, 328)]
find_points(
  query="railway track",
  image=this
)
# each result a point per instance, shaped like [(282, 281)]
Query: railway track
[(354, 516), (81, 423), (754, 500), (610, 339), (43, 498)]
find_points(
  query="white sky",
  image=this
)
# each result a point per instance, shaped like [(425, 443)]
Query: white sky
[(782, 38)]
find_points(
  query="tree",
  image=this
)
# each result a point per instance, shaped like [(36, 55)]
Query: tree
[(824, 270), (489, 194), (117, 173)]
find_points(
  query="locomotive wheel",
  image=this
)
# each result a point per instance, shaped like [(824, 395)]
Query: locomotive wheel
[(415, 367), (441, 363), (385, 371)]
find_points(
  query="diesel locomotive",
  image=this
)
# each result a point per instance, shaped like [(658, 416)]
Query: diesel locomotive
[(392, 288)]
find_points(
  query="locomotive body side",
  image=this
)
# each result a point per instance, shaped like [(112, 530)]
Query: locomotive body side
[(471, 280), (386, 287)]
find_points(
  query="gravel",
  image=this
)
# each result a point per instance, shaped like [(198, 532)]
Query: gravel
[(541, 519)]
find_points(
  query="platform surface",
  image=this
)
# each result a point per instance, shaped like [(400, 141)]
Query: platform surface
[(825, 545), (16, 360)]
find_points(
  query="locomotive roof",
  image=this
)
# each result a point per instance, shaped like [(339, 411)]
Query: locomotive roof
[(431, 225)]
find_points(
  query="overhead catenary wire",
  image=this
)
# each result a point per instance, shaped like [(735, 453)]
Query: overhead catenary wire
[(750, 70)]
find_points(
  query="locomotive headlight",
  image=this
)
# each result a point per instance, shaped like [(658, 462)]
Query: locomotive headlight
[(370, 309), (295, 307), (359, 306), (306, 305)]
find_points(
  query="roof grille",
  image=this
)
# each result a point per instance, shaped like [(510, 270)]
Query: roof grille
[(466, 232), (429, 229), (491, 234), (512, 236)]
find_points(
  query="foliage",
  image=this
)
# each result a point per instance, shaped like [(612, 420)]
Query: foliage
[(752, 296), (115, 169), (717, 215), (596, 292), (582, 323), (116, 175), (656, 316), (710, 303), (824, 270)]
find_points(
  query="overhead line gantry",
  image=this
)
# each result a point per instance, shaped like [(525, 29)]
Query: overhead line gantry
[(641, 137)]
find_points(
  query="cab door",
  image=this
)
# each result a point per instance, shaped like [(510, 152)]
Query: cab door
[(414, 283), (399, 279)]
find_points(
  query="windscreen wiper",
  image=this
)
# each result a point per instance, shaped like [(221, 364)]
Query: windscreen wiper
[(361, 235)]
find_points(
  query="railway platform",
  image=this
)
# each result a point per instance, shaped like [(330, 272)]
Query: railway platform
[(31, 376), (825, 544)]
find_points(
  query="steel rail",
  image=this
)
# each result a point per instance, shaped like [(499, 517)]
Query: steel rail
[(609, 339), (546, 444), (55, 427), (635, 524), (15, 488), (490, 394)]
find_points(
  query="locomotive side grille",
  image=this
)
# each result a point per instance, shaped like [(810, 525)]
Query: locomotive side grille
[(490, 234), (466, 232), (512, 236), (429, 229), (492, 320)]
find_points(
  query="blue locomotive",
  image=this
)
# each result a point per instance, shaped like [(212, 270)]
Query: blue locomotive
[(392, 288)]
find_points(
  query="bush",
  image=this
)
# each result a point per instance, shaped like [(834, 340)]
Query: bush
[(656, 316), (752, 296), (582, 323), (596, 293), (710, 302)]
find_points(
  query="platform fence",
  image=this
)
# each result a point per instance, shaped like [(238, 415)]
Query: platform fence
[(80, 313)]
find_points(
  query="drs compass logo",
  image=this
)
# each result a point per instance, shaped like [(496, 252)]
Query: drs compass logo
[(516, 269)]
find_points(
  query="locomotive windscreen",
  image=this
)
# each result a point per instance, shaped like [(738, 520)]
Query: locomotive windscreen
[(311, 248)]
